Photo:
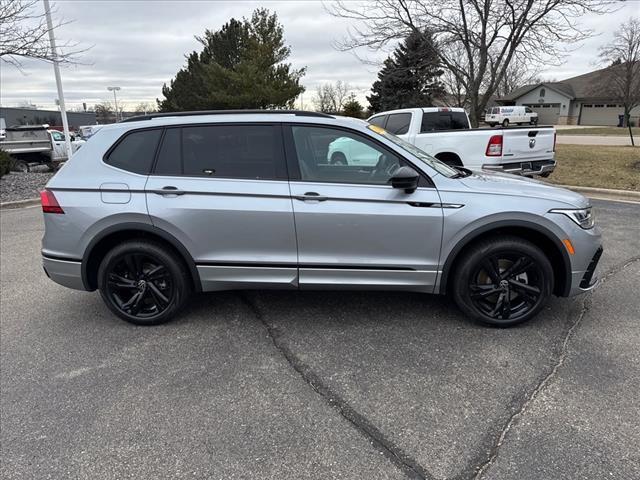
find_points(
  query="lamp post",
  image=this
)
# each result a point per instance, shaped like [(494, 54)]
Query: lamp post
[(115, 99), (56, 71)]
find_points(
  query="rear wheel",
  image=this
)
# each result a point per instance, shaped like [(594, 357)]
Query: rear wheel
[(338, 159), (20, 166), (143, 282), (503, 281), (505, 123)]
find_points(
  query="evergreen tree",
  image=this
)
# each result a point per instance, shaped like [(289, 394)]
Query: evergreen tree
[(409, 77), (240, 66), (352, 107)]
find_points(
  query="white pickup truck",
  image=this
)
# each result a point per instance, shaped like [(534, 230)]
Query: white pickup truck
[(446, 134), (36, 145)]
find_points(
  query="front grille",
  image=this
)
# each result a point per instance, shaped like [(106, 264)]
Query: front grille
[(588, 275)]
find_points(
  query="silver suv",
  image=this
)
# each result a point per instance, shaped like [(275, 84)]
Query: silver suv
[(153, 209)]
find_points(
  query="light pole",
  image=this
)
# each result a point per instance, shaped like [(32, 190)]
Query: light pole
[(56, 70), (115, 99)]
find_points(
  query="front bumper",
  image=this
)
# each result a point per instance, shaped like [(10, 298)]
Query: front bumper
[(65, 272), (536, 167)]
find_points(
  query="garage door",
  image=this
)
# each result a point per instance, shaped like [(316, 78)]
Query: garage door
[(548, 113), (600, 114)]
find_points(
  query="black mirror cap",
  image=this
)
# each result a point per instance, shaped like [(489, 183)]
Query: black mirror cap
[(406, 178)]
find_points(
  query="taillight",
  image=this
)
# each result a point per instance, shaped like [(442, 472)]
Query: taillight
[(494, 147), (555, 134), (49, 202)]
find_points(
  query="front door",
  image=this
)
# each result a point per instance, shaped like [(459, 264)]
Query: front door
[(353, 229), (222, 191), (59, 151)]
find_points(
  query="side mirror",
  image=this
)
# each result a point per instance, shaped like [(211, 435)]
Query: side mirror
[(406, 178)]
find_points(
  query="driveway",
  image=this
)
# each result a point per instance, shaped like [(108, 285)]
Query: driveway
[(594, 140), (318, 384)]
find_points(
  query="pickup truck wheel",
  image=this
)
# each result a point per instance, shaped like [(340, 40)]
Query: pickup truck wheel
[(534, 122), (502, 281), (338, 159), (20, 166), (143, 282), (505, 123)]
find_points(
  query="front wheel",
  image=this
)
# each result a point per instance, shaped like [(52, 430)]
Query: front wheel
[(338, 159), (143, 282), (503, 281)]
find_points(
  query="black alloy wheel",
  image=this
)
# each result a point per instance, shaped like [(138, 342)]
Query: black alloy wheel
[(502, 281), (142, 282), (506, 286)]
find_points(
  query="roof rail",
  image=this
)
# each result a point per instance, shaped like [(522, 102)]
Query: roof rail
[(299, 113)]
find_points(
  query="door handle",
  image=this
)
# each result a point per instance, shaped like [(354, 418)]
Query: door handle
[(311, 196), (168, 190)]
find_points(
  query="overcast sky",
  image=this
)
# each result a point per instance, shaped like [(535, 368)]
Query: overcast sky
[(139, 45)]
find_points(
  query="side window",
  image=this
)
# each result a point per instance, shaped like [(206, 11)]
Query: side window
[(57, 136), (233, 151), (169, 159), (528, 110), (135, 151), (398, 123), (379, 121), (337, 156)]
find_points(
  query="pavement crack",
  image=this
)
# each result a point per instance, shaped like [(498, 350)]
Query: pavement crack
[(409, 466), (515, 417)]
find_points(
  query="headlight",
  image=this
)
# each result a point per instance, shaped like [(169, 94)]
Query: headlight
[(583, 216)]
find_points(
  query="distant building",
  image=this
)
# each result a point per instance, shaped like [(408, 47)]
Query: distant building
[(29, 116), (581, 100)]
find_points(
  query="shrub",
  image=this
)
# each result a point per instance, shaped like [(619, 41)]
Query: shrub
[(5, 163)]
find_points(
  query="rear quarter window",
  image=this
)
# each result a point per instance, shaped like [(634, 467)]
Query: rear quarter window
[(135, 151), (379, 120), (398, 123)]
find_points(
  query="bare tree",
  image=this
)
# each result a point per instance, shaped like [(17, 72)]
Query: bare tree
[(145, 107), (518, 74), (330, 98), (105, 113), (24, 34), (475, 39), (624, 54)]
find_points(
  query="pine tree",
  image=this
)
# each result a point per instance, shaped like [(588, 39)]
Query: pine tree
[(409, 77), (352, 107), (242, 65)]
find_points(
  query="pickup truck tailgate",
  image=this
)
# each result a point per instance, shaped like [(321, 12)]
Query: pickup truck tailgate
[(528, 144)]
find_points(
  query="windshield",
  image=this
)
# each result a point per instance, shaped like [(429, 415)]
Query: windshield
[(433, 162)]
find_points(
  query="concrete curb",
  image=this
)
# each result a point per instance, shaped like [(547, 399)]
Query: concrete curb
[(605, 193), (19, 204)]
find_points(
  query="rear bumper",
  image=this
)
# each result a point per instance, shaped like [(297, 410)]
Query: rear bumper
[(536, 167), (64, 272)]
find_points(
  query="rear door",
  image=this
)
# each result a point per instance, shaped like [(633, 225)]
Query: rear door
[(222, 190), (353, 229)]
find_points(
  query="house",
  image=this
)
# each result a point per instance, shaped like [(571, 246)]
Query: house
[(582, 100)]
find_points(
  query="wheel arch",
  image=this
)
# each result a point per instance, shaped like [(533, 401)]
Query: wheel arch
[(542, 237), (107, 238)]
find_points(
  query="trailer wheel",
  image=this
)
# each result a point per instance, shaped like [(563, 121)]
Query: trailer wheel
[(20, 166)]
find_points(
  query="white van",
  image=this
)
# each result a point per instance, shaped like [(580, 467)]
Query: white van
[(512, 114)]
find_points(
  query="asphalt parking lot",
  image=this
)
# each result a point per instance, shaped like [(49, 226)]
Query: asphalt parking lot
[(319, 385)]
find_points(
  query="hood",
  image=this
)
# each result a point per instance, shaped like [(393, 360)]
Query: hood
[(507, 184)]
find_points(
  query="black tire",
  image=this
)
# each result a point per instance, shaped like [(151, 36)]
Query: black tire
[(534, 122), (151, 272), (505, 123), (338, 158), (492, 125), (20, 166), (502, 281)]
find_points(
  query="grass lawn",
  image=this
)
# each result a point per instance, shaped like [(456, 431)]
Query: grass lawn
[(597, 166), (607, 131)]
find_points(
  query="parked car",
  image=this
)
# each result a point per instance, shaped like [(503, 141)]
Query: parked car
[(446, 134), (36, 145), (87, 131), (154, 208), (507, 115)]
